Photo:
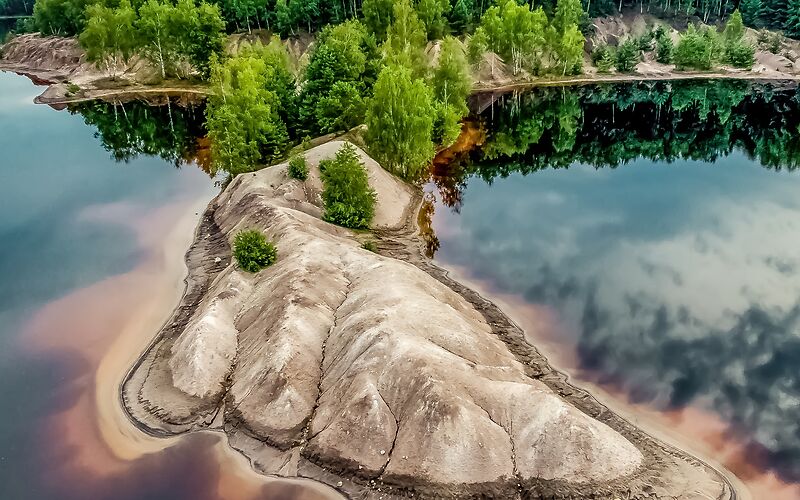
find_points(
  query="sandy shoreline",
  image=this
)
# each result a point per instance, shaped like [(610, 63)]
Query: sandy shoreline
[(57, 94)]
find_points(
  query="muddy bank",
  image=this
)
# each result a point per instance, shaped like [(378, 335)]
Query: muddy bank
[(377, 373), (60, 63)]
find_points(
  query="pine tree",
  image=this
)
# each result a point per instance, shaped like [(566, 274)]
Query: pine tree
[(776, 13), (462, 15), (792, 27), (752, 12)]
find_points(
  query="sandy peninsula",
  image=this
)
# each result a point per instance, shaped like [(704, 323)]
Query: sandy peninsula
[(374, 372)]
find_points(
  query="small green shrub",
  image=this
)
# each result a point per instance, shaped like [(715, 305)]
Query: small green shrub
[(645, 41), (349, 200), (627, 56), (298, 168), (599, 52), (740, 54), (771, 41), (370, 245), (664, 50), (252, 251), (603, 58), (697, 49)]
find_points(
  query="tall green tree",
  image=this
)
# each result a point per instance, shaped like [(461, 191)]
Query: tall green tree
[(400, 122), (60, 17), (405, 40), (432, 14), (792, 28), (345, 53), (451, 79), (378, 15), (304, 12), (516, 33), (568, 14), (109, 37), (463, 15), (157, 34), (569, 51), (451, 84), (206, 37), (734, 28), (283, 18), (242, 116), (776, 13)]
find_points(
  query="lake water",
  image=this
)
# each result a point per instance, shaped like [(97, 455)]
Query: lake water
[(651, 231), (656, 227), (97, 207)]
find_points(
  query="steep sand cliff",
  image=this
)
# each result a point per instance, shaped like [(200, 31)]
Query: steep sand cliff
[(377, 375)]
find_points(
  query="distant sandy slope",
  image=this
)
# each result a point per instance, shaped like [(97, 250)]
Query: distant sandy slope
[(376, 373)]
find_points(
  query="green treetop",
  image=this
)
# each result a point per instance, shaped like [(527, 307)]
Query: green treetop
[(405, 40), (400, 122), (109, 37), (451, 85), (752, 12), (516, 33), (432, 14), (242, 114), (378, 15)]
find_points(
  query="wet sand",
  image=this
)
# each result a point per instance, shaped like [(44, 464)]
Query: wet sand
[(697, 431), (102, 329)]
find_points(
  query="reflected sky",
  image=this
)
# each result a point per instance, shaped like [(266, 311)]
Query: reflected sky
[(678, 282), (59, 194)]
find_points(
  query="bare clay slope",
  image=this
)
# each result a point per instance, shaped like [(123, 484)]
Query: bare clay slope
[(351, 367)]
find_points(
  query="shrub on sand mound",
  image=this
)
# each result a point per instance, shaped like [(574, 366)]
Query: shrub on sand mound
[(252, 251), (348, 199)]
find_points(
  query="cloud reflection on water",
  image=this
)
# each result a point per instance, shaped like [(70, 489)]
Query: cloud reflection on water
[(677, 281)]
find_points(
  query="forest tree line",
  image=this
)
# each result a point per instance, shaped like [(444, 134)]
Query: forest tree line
[(286, 17)]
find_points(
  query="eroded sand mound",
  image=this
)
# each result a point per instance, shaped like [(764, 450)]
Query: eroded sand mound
[(337, 359), (61, 59)]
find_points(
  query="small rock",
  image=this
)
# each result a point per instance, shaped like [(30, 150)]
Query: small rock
[(383, 452), (217, 260), (339, 484)]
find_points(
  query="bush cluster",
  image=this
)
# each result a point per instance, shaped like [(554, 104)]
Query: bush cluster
[(349, 200), (298, 168), (252, 251), (701, 48)]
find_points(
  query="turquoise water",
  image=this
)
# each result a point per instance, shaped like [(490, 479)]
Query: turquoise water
[(58, 182), (664, 233)]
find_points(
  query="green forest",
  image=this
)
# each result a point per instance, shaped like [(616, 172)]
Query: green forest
[(371, 62)]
